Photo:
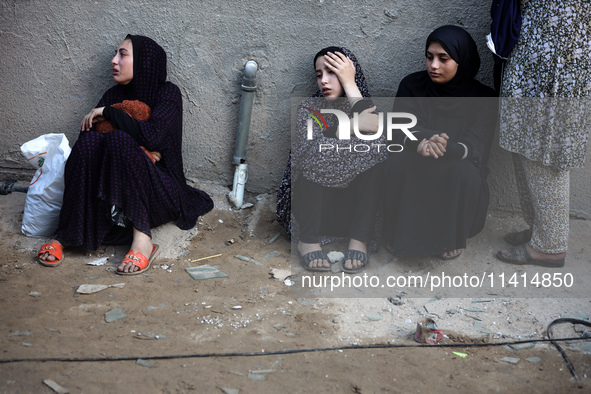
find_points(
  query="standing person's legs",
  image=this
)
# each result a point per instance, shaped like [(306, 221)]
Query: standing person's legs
[(527, 209), (550, 191), (546, 191), (525, 198)]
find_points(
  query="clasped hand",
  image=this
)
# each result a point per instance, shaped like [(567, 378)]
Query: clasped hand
[(434, 146)]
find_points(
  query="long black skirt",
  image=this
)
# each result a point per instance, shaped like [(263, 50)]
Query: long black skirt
[(431, 206), (106, 170), (348, 212)]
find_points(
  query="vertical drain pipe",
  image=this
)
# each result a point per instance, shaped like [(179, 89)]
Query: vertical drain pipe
[(249, 84)]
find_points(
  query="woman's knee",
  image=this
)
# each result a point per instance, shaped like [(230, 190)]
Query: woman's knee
[(117, 142)]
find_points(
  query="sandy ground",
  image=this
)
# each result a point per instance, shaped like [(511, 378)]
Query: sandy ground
[(259, 331)]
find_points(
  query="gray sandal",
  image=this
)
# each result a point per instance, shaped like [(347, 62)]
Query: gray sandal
[(306, 259), (353, 254)]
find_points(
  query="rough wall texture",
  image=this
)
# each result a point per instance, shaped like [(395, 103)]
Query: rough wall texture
[(55, 66)]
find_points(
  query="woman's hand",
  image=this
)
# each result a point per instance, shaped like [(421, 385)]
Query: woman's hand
[(344, 68), (423, 148), (434, 146), (437, 144), (94, 116), (154, 156)]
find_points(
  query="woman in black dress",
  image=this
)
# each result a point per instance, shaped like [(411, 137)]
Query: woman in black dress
[(436, 192), (114, 192)]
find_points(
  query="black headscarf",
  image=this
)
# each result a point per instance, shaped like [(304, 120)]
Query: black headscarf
[(149, 70), (460, 46)]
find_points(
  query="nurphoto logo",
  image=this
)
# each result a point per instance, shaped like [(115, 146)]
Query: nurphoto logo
[(344, 127)]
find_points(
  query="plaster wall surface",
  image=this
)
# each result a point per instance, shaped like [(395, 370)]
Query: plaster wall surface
[(55, 65)]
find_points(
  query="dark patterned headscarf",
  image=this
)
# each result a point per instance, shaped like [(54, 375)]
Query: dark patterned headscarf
[(460, 46), (337, 168), (149, 70)]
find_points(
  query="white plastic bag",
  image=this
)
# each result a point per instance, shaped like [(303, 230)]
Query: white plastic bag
[(48, 154)]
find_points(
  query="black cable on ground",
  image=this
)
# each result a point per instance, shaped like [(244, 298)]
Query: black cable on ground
[(310, 350), (548, 332)]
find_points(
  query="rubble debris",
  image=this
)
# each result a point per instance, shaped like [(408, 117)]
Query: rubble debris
[(274, 253), (139, 335), (478, 300), (206, 271), (427, 332), (519, 346), (146, 363), (205, 258), (98, 262), (335, 256), (511, 360), (533, 359), (474, 310), (21, 333), (114, 315), (54, 386), (244, 258), (397, 300), (91, 288), (280, 274)]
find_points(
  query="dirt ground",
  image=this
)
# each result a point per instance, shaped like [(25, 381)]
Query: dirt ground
[(255, 331)]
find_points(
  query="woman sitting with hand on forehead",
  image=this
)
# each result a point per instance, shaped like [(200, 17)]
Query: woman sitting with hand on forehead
[(436, 192), (335, 191), (114, 191)]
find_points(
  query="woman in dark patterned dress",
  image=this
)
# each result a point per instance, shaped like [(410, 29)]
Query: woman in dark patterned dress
[(335, 192), (114, 192), (545, 123)]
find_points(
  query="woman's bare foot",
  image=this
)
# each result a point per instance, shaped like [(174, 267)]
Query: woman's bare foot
[(355, 245), (452, 254), (305, 248), (142, 243), (48, 257), (535, 255)]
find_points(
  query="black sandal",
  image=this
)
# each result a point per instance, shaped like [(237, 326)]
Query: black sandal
[(520, 256)]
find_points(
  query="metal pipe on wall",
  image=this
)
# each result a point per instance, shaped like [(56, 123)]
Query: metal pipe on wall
[(236, 196)]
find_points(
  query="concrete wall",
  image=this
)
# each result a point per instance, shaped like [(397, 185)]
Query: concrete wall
[(55, 65)]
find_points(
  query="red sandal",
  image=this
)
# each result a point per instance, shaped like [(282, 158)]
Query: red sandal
[(139, 260), (53, 249)]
